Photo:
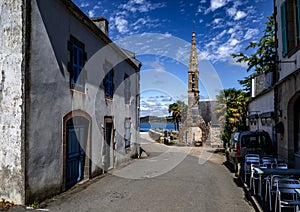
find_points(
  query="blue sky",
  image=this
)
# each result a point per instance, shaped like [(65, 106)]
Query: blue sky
[(159, 32)]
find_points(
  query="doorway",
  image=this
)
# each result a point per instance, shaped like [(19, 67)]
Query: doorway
[(76, 147), (108, 144)]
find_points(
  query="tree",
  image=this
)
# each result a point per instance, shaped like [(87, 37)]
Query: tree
[(263, 59), (176, 114), (183, 109), (232, 111), (178, 110)]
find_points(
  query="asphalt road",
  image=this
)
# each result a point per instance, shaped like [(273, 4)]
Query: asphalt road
[(169, 179)]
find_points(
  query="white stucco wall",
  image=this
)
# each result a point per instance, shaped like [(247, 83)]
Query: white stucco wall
[(11, 102), (259, 105)]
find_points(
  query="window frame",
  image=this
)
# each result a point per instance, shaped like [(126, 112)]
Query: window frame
[(127, 90), (127, 134), (76, 66), (108, 82), (290, 27)]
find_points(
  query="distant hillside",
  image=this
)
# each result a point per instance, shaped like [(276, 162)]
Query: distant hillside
[(156, 119)]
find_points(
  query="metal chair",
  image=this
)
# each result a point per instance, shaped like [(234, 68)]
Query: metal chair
[(271, 182), (269, 161), (271, 186), (286, 196), (254, 176), (250, 159), (282, 166)]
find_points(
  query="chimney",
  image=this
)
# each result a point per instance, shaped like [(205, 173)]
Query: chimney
[(102, 24)]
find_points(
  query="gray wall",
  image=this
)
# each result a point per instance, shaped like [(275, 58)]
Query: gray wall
[(51, 99), (207, 111)]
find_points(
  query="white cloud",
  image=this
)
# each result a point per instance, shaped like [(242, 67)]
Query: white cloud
[(239, 15), (155, 105), (91, 13), (121, 24), (201, 9), (231, 11), (217, 20), (140, 6), (233, 42), (96, 7), (158, 66), (215, 4), (232, 61), (84, 4), (251, 33)]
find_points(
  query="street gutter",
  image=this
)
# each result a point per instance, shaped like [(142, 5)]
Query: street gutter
[(253, 200)]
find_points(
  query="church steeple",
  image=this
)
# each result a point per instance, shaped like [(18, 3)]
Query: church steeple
[(193, 89)]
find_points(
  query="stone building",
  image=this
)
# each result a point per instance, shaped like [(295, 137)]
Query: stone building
[(287, 87), (275, 106), (208, 109), (68, 99)]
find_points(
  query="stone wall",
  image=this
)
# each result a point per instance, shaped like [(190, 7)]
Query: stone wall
[(215, 137), (11, 102), (155, 135)]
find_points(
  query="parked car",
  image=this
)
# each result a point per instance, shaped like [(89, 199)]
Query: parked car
[(248, 142)]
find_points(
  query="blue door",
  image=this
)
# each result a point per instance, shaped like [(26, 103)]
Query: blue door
[(76, 143), (108, 137)]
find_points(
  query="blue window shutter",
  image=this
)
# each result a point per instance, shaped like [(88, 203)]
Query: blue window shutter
[(77, 65), (283, 28)]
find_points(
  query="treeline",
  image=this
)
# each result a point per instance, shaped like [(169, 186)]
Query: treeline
[(156, 119)]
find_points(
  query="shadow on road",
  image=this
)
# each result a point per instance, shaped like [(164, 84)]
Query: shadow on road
[(229, 166)]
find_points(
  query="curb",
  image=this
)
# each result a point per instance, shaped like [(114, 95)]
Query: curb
[(252, 198)]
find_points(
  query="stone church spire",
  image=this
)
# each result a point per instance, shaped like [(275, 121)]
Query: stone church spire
[(194, 130), (193, 73)]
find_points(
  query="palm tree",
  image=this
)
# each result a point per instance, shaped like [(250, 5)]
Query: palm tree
[(232, 111), (176, 115)]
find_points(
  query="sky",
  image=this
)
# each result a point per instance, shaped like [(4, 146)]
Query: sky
[(160, 32)]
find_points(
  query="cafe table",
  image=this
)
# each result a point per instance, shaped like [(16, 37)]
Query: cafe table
[(271, 172)]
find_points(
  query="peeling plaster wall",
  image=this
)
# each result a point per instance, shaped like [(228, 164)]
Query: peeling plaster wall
[(11, 102)]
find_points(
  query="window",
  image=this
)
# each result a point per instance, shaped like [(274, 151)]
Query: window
[(76, 64), (193, 87), (127, 92), (109, 83), (290, 26), (127, 132)]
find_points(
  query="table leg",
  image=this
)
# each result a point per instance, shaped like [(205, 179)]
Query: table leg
[(259, 187)]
